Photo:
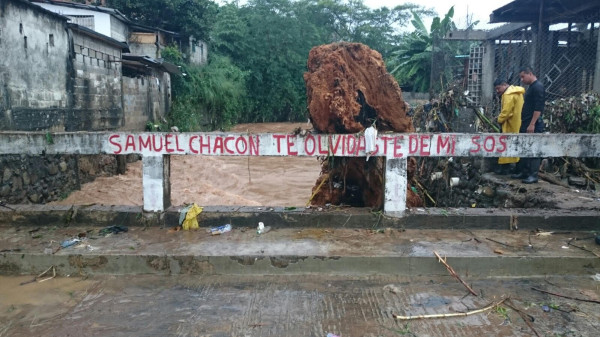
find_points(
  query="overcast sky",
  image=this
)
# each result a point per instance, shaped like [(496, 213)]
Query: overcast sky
[(480, 9)]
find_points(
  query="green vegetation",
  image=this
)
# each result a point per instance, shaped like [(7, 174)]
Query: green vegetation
[(258, 52), (500, 310), (579, 114), (208, 97), (188, 17), (411, 61)]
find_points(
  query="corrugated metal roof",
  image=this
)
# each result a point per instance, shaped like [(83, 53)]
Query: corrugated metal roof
[(111, 11), (159, 63), (552, 11)]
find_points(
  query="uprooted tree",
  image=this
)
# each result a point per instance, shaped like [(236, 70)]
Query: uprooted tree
[(348, 90)]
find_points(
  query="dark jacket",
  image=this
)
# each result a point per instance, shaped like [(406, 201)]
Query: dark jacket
[(534, 101)]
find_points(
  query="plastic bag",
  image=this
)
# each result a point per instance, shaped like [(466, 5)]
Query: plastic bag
[(370, 141), (190, 221)]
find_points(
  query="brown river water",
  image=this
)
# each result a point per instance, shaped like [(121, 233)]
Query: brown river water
[(216, 180)]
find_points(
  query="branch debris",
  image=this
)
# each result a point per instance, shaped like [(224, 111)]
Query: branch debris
[(453, 273), (564, 296), (456, 314)]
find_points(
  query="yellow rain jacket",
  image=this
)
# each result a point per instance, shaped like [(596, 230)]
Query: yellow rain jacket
[(510, 116)]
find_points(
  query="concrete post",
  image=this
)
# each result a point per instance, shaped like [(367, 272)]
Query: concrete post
[(394, 203), (156, 182), (533, 49), (597, 69), (488, 72)]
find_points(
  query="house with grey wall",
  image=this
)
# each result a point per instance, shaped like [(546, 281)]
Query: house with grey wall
[(62, 76), (97, 91), (142, 39), (56, 75), (106, 21), (145, 81), (197, 51), (150, 41), (35, 68)]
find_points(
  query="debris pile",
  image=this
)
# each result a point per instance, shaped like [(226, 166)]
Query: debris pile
[(349, 90), (433, 178), (452, 111), (579, 114)]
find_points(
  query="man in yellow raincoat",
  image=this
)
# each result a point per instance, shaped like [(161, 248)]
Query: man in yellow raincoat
[(509, 118)]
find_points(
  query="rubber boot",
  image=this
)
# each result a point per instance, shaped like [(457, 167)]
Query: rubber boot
[(520, 169), (534, 167)]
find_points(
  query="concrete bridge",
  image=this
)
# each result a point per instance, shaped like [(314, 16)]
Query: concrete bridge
[(156, 149)]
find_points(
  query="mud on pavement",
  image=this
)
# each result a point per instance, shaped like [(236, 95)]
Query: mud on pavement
[(308, 305)]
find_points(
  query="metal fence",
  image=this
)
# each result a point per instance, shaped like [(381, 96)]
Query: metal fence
[(564, 58), (449, 64)]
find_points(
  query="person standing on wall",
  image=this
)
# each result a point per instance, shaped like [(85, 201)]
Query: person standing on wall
[(510, 117), (531, 122)]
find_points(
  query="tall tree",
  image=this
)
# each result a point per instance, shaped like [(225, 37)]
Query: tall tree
[(352, 21), (271, 40), (189, 17), (268, 41)]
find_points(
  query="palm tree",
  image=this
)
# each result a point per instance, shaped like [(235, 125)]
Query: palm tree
[(411, 62)]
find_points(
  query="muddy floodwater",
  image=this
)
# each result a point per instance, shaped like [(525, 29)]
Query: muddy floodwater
[(216, 180)]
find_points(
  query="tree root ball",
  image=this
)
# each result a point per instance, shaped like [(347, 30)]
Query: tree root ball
[(349, 89)]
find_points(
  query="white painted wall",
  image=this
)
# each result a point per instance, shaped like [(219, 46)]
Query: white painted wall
[(101, 20)]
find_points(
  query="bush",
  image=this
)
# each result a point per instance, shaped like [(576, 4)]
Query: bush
[(209, 97)]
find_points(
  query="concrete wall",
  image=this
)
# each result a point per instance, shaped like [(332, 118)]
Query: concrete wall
[(33, 74), (135, 103), (156, 149), (197, 51), (97, 91), (118, 30), (144, 44), (145, 99)]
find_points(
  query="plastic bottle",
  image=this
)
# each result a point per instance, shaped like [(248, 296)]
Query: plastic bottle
[(262, 229), (220, 230), (68, 243)]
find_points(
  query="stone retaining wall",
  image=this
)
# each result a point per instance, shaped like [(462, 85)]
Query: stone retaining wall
[(40, 179)]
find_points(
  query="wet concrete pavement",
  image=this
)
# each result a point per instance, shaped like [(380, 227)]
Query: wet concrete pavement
[(479, 253), (300, 281), (299, 305)]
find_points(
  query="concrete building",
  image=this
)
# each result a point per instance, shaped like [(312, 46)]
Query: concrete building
[(34, 68), (559, 39), (197, 51), (150, 41), (142, 40), (97, 91), (146, 90), (57, 75), (107, 21), (61, 76)]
